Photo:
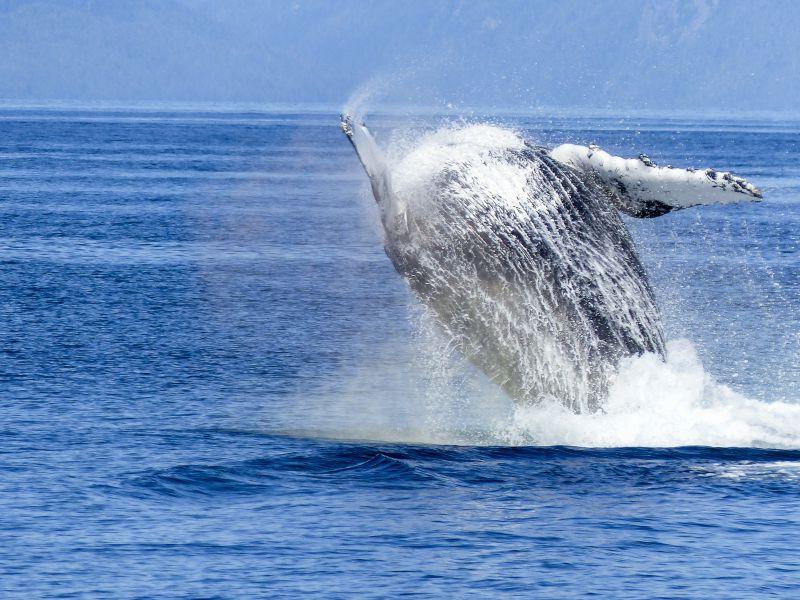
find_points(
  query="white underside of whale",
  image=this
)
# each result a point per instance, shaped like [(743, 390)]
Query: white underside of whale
[(644, 182)]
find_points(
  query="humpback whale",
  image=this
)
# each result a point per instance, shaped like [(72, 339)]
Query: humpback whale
[(521, 254)]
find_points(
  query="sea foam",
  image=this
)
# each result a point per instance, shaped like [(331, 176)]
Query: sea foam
[(661, 404)]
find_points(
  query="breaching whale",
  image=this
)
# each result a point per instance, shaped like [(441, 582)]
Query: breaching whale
[(521, 255)]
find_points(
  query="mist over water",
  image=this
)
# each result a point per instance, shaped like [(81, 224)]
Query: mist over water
[(518, 53), (419, 397)]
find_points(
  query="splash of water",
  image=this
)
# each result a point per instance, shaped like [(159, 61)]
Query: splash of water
[(655, 403), (366, 94), (421, 392)]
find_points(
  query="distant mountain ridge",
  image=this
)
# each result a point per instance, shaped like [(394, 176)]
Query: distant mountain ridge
[(734, 54)]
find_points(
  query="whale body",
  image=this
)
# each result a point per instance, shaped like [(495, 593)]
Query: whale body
[(521, 255)]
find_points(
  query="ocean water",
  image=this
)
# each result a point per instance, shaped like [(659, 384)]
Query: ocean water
[(213, 384)]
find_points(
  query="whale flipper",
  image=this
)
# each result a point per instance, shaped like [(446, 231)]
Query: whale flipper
[(640, 188), (376, 167)]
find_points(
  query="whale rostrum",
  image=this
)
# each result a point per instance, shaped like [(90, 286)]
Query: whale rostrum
[(521, 255)]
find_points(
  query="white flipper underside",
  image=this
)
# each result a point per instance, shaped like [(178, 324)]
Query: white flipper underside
[(643, 186)]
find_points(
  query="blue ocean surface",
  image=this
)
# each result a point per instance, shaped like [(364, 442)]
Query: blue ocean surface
[(213, 383)]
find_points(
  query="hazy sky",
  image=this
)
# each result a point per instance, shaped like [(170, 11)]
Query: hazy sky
[(681, 54)]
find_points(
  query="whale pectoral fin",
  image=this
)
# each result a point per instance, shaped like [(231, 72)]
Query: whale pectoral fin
[(640, 188), (372, 160)]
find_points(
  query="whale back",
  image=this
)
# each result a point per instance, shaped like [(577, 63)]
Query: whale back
[(526, 266)]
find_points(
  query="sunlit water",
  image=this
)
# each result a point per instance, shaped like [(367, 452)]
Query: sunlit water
[(214, 384)]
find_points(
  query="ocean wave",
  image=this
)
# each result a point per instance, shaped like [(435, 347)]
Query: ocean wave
[(496, 469)]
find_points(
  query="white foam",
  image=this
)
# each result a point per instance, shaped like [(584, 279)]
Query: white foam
[(781, 469), (425, 394), (658, 404), (462, 144)]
